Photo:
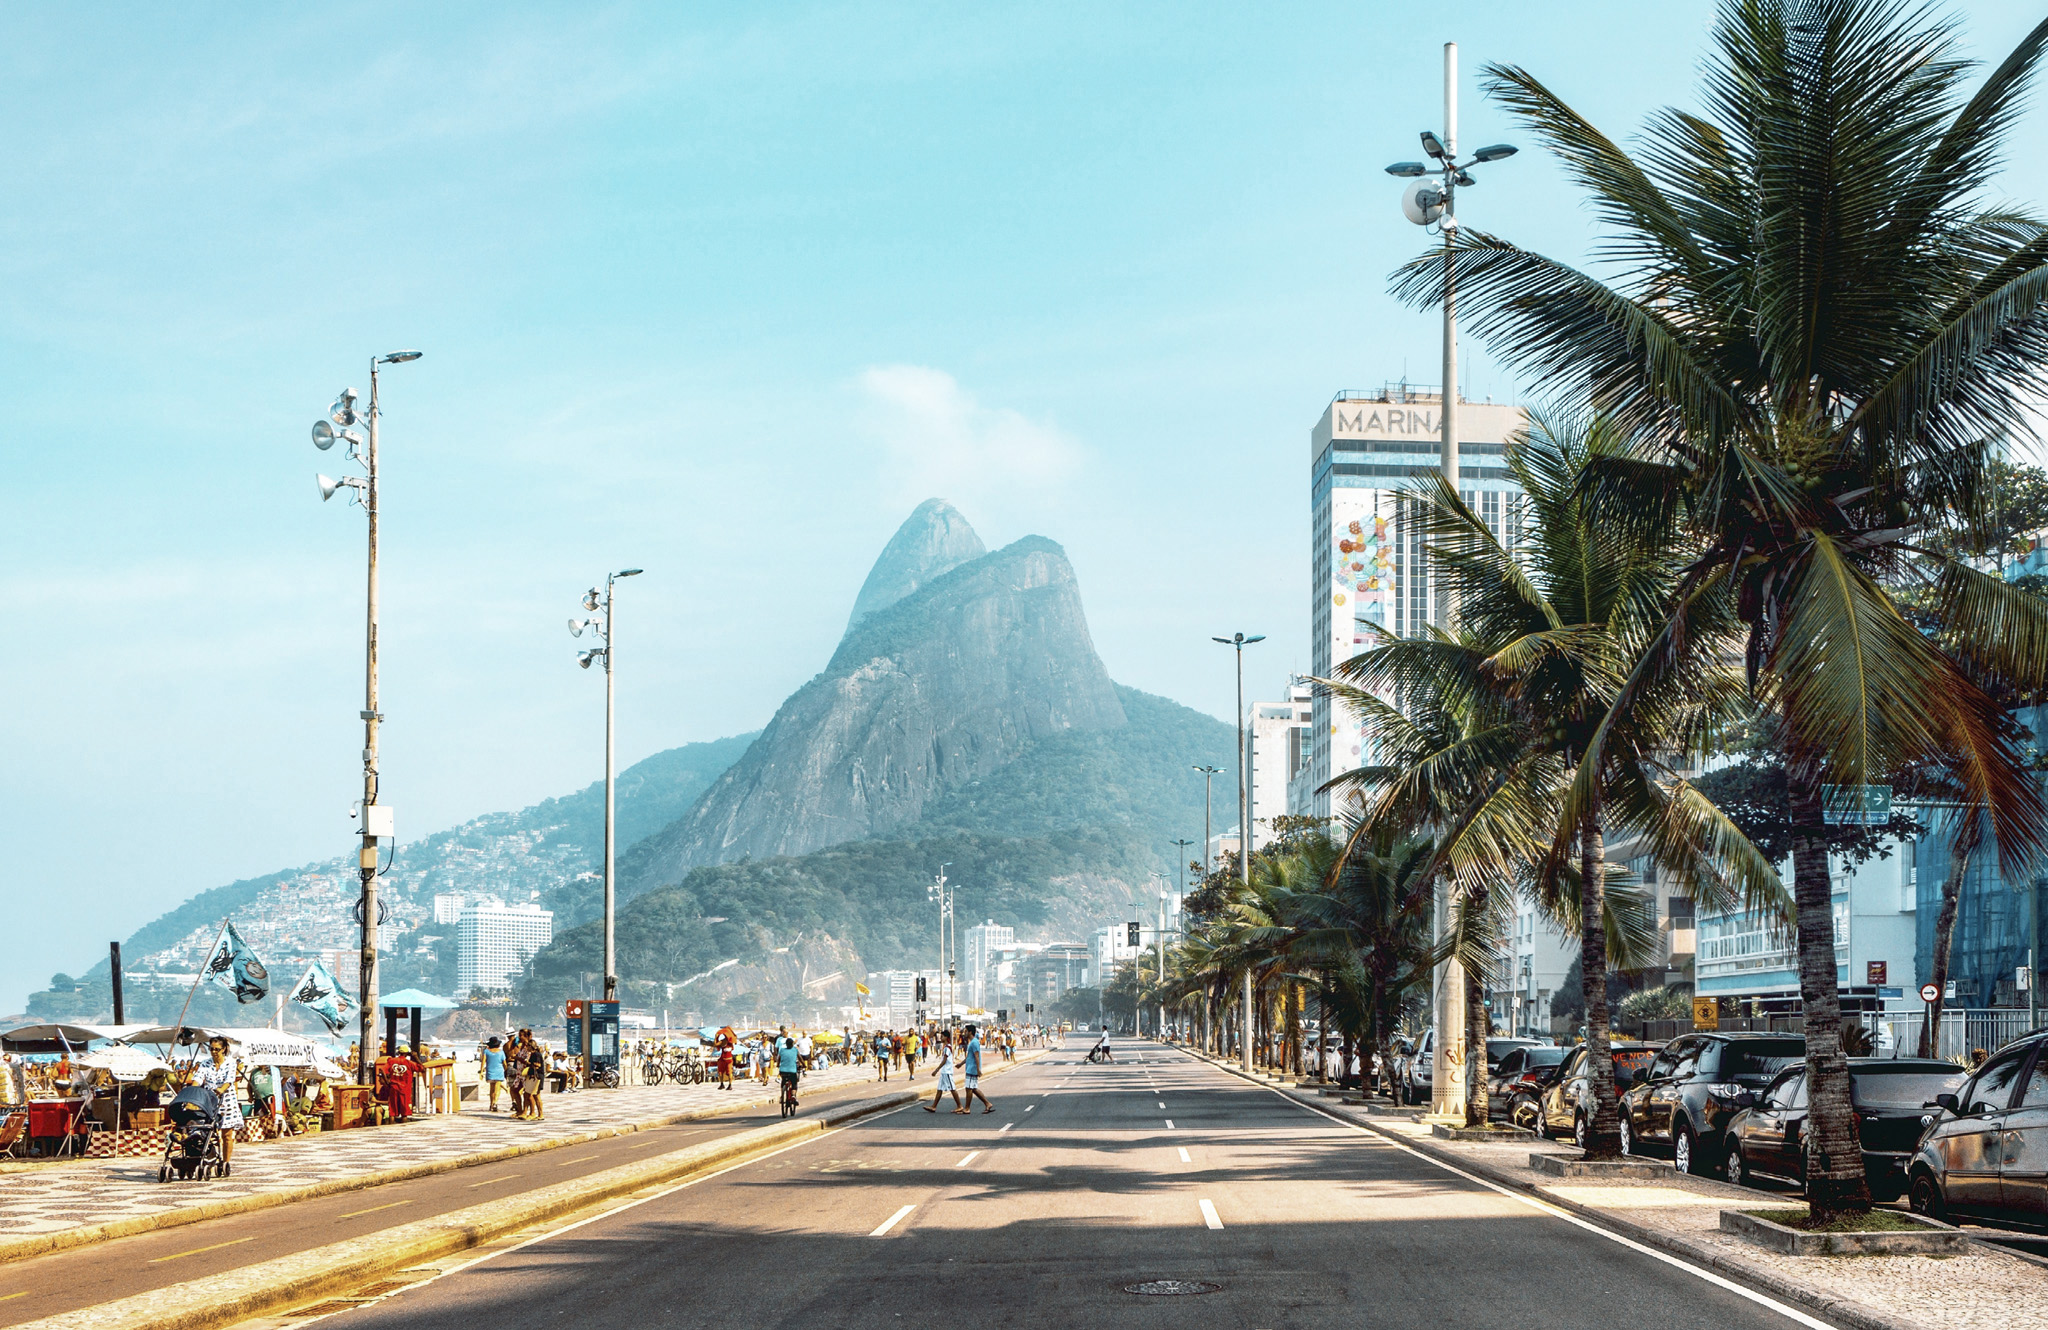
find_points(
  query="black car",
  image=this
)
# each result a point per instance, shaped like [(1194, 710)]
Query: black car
[(1565, 1107), (1985, 1154), (1890, 1095), (1515, 1086), (1696, 1086)]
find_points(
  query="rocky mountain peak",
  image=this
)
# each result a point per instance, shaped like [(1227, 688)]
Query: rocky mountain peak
[(933, 540)]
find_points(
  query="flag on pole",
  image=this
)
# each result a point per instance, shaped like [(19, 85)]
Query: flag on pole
[(858, 1005), (235, 966), (318, 992)]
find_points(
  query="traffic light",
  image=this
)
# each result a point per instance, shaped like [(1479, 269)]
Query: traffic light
[(1029, 1008), (920, 988), (1131, 930)]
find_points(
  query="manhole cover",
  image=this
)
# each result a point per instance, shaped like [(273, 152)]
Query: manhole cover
[(1170, 1288)]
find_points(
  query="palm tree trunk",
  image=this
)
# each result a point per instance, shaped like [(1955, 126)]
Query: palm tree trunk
[(1944, 941), (1475, 1048), (1835, 1181), (1603, 1134)]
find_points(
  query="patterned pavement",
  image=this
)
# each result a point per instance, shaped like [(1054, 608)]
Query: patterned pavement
[(51, 1197)]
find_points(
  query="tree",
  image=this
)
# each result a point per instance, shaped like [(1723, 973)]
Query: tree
[(1506, 744), (1818, 329)]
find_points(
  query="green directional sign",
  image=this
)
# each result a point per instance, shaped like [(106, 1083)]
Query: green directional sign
[(1856, 805)]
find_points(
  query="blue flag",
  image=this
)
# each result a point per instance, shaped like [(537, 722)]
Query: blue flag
[(234, 966), (319, 993)]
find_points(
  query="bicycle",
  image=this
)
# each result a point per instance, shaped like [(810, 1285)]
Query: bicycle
[(789, 1096), (651, 1069)]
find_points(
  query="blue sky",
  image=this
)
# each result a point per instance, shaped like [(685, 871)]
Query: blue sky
[(720, 291)]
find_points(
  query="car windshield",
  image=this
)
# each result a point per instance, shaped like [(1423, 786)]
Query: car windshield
[(1496, 1049), (1912, 1085), (1758, 1061), (1544, 1057)]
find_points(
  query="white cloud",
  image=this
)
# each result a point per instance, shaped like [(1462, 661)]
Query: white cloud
[(939, 439)]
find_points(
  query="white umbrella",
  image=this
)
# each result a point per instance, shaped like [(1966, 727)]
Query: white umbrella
[(127, 1064)]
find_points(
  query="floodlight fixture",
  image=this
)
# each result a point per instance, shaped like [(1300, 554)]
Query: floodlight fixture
[(1495, 152), (1406, 169), (329, 485), (590, 599), (343, 412), (324, 435), (399, 357), (584, 658), (1423, 202), (1433, 145), (576, 627)]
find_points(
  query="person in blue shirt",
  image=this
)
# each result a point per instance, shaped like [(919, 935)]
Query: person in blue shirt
[(971, 1070), (494, 1069), (790, 1063)]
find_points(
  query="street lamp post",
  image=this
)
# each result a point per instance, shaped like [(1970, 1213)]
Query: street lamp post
[(1238, 642), (1208, 780), (376, 819), (1433, 202), (940, 893), (605, 631)]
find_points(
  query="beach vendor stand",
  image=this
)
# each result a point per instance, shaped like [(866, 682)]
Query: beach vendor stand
[(433, 1090), (282, 1055), (56, 1093)]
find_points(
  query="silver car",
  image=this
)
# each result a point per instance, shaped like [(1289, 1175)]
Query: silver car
[(1985, 1152)]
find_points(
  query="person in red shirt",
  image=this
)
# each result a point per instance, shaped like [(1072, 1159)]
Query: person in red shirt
[(726, 1040), (399, 1069)]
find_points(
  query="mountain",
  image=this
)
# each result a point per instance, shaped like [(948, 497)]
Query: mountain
[(934, 539), (922, 698)]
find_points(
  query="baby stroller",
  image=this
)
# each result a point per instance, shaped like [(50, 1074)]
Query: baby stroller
[(193, 1147)]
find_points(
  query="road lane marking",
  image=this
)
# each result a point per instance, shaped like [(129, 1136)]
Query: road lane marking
[(12, 1296), (1783, 1309), (1209, 1215), (1029, 1107), (1169, 1124), (196, 1250), (1161, 1104), (1184, 1156), (1005, 1127), (503, 1177), (891, 1222), (583, 1160), (373, 1209), (968, 1160)]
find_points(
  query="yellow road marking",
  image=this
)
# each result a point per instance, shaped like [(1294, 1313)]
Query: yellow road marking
[(488, 1181), (196, 1250), (374, 1209), (584, 1160)]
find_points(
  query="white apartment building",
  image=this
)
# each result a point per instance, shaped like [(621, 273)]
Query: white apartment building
[(1539, 960), (448, 905), (1280, 738), (1111, 947), (979, 953), (493, 942), (1367, 452)]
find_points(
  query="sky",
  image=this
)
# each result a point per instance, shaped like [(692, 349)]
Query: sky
[(721, 292)]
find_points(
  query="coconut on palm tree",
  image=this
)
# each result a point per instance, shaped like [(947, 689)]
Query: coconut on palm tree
[(1816, 321)]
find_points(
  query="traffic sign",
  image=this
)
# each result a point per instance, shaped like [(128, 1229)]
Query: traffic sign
[(1929, 992)]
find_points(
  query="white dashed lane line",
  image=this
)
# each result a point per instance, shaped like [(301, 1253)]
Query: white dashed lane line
[(1184, 1156), (1005, 1127), (891, 1222), (1209, 1215), (971, 1154), (1169, 1124)]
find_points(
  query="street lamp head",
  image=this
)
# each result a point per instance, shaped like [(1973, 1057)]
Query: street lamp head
[(629, 572), (1405, 169), (1249, 640), (1433, 145), (1463, 177), (1495, 152), (399, 357)]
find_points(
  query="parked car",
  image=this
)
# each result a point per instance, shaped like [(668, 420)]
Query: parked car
[(1695, 1087), (1418, 1075), (1891, 1097), (1565, 1108), (1518, 1080), (1985, 1153)]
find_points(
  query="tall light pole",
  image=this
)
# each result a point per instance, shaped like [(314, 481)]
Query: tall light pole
[(1180, 901), (1238, 642), (939, 892), (1433, 202), (377, 819), (605, 631), (1208, 780)]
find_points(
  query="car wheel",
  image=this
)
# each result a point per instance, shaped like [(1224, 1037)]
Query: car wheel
[(1628, 1137), (1685, 1151), (1734, 1167), (1926, 1197), (1581, 1129)]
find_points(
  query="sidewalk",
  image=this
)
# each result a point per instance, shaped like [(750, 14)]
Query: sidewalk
[(61, 1205), (1981, 1290)]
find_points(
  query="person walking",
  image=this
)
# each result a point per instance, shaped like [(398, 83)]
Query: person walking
[(494, 1069), (399, 1069), (910, 1052), (725, 1057), (883, 1043), (222, 1074), (943, 1069), (970, 1068)]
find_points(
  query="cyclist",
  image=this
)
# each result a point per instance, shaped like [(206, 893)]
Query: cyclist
[(790, 1063)]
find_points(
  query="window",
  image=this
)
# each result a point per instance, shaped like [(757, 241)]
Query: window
[(1991, 1090), (1784, 1091), (2036, 1095)]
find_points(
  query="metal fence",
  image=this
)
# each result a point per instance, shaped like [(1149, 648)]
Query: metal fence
[(1962, 1032)]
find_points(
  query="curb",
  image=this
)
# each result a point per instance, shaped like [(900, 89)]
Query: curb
[(322, 1272), (44, 1244), (1855, 1315)]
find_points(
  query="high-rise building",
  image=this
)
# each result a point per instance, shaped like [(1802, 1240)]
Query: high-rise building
[(1280, 741), (1043, 977), (494, 941), (977, 976), (1367, 454)]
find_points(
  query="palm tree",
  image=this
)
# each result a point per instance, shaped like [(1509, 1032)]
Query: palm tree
[(1817, 326), (1505, 742)]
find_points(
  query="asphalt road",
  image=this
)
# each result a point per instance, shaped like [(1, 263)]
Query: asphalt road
[(1087, 1179), (85, 1276)]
